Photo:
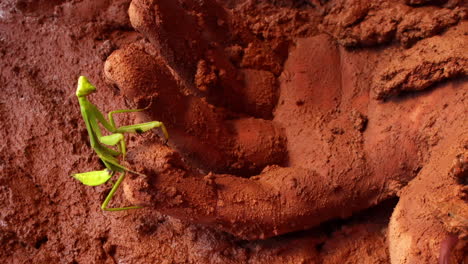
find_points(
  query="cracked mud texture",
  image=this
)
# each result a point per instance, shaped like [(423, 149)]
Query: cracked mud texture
[(380, 101)]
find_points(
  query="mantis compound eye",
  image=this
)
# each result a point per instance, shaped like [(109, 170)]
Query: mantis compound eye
[(84, 87)]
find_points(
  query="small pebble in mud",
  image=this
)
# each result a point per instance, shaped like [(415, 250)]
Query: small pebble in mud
[(171, 191), (460, 169), (234, 53), (337, 131), (359, 120), (209, 178), (205, 77), (178, 199)]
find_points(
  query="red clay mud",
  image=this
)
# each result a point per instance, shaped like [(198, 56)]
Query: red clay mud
[(288, 120)]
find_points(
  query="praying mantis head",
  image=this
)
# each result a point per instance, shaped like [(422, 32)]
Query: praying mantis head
[(84, 87)]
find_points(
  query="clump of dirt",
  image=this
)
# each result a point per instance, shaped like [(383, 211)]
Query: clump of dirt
[(288, 120)]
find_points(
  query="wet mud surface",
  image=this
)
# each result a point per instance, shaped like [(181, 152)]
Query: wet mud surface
[(301, 131)]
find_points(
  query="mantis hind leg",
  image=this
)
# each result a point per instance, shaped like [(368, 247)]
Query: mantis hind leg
[(111, 114), (143, 127), (112, 193)]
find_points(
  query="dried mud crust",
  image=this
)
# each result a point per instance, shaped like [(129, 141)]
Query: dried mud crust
[(361, 23), (428, 62), (329, 125)]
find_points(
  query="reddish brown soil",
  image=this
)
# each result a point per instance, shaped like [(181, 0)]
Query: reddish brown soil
[(353, 99)]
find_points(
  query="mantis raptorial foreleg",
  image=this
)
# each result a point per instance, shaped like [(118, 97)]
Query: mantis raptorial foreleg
[(93, 117), (111, 114)]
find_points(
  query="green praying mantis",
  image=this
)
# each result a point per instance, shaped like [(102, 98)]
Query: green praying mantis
[(92, 118)]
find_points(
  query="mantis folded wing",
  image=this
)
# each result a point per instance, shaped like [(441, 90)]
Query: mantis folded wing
[(92, 117)]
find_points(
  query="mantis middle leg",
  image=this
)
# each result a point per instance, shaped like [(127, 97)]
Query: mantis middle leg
[(136, 128)]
